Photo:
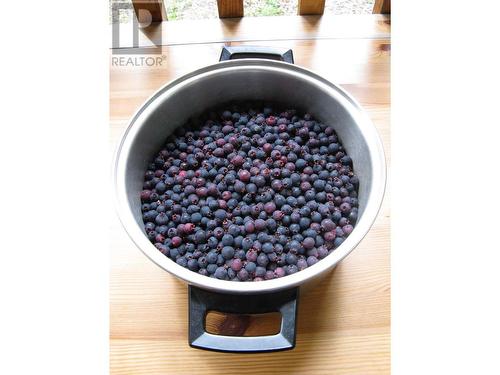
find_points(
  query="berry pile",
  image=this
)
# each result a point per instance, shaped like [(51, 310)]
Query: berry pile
[(250, 196)]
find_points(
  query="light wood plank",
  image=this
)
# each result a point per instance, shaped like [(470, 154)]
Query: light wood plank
[(362, 64), (344, 353), (230, 8), (257, 29), (307, 7)]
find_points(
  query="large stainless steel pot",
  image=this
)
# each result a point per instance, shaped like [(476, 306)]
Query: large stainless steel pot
[(243, 80)]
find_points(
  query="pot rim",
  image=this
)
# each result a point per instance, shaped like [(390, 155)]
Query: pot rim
[(361, 228)]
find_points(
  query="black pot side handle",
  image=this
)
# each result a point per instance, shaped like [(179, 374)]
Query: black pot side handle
[(261, 52), (201, 301)]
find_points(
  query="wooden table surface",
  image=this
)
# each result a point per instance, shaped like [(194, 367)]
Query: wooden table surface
[(344, 323)]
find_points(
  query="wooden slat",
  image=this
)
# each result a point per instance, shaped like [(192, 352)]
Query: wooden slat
[(149, 11), (311, 7), (382, 7), (230, 8), (257, 29)]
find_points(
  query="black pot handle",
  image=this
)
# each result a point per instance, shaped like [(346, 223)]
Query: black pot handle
[(202, 301), (245, 52)]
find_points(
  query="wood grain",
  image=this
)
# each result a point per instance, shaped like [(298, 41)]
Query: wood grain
[(344, 322), (230, 8), (307, 7), (148, 11), (382, 7)]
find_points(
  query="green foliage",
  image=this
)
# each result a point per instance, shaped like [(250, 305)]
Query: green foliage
[(270, 8), (172, 11), (256, 8)]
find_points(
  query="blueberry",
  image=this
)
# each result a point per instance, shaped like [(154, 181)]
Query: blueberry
[(252, 188), (319, 185), (176, 241), (260, 271), (336, 216), (240, 254), (262, 260), (220, 214), (308, 243), (279, 200), (259, 181), (271, 224), (202, 262), (250, 267), (249, 227), (302, 264), (220, 260), (200, 236), (221, 273), (304, 223), (196, 217), (160, 187), (192, 264), (291, 258), (243, 274), (247, 243), (316, 217), (279, 272), (338, 241), (212, 242), (345, 208), (227, 252), (236, 264), (182, 261), (347, 229), (149, 226), (322, 252), (161, 218), (227, 240), (260, 224), (267, 247)]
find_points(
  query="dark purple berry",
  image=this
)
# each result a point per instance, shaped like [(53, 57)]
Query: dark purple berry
[(301, 264), (221, 273), (279, 272), (260, 224), (251, 256), (262, 260), (236, 264), (244, 175), (347, 229), (308, 243), (243, 275), (249, 227), (176, 241), (311, 260), (329, 236)]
